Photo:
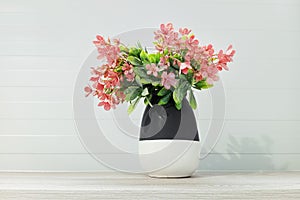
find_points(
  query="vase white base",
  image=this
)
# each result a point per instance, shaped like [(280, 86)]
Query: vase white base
[(169, 158)]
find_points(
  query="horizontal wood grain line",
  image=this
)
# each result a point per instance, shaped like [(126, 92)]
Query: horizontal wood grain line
[(86, 162), (239, 104), (207, 119), (35, 29), (37, 55), (213, 3), (235, 138), (108, 153)]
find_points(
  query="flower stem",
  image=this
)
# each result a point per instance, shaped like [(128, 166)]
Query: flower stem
[(149, 101)]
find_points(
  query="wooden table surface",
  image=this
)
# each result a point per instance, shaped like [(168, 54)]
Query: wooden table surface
[(204, 185)]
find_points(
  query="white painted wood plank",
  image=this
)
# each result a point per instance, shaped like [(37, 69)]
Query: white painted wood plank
[(120, 186), (237, 137), (36, 110), (253, 137), (240, 105), (250, 162), (41, 145), (278, 131), (51, 75), (262, 104), (36, 94), (40, 63), (84, 162), (267, 15), (264, 109), (49, 162), (246, 43), (37, 127), (9, 78), (129, 186)]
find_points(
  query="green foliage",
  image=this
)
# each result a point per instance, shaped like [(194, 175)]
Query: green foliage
[(152, 58), (134, 60), (163, 91), (149, 58), (192, 100), (144, 56), (195, 64), (145, 92), (133, 105), (157, 57), (148, 99), (190, 77), (132, 92), (178, 105), (138, 81), (134, 52), (144, 78), (165, 99), (178, 57), (124, 49), (202, 85), (180, 92)]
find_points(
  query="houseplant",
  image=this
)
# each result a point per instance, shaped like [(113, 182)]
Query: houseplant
[(163, 79)]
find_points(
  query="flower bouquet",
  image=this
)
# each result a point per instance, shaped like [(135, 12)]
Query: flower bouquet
[(179, 65)]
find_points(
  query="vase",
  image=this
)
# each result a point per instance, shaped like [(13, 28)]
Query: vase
[(169, 145)]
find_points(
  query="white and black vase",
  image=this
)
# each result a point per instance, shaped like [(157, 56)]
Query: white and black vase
[(169, 143)]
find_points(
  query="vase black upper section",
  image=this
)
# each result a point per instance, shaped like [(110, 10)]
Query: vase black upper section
[(166, 122)]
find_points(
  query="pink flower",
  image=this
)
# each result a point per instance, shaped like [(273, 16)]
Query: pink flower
[(198, 76), (106, 105), (164, 61), (152, 69), (208, 50), (128, 72), (107, 50), (184, 67), (184, 31), (168, 80), (225, 58), (166, 28), (88, 90), (100, 41), (166, 37)]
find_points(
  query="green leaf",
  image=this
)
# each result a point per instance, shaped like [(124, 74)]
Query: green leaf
[(152, 58), (124, 49), (155, 83), (157, 57), (140, 71), (144, 77), (192, 100), (195, 64), (134, 60), (134, 51), (163, 91), (202, 85), (165, 99), (190, 76), (145, 92), (146, 81), (133, 105), (138, 81), (178, 105), (132, 92), (144, 56), (147, 99), (180, 92)]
